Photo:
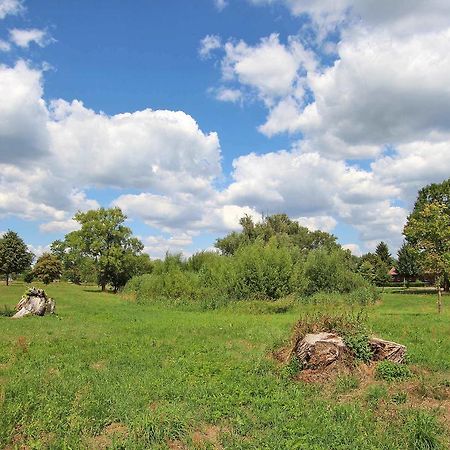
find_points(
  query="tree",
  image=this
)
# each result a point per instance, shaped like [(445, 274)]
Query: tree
[(48, 268), (367, 271), (104, 238), (428, 232), (408, 265), (77, 267), (382, 251), (371, 265), (432, 193), (14, 255), (280, 226)]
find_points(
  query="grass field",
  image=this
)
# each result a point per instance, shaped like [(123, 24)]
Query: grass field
[(108, 373)]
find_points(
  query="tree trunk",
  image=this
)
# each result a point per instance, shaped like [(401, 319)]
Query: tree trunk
[(439, 302), (446, 283), (103, 287), (321, 350), (387, 350), (317, 351), (7, 279), (34, 302)]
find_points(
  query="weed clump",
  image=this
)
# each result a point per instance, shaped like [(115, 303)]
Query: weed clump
[(391, 371)]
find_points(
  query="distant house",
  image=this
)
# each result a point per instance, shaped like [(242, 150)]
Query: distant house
[(395, 276)]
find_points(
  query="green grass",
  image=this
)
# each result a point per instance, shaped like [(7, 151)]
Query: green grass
[(105, 372)]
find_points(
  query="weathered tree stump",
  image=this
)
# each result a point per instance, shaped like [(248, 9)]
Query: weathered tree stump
[(36, 302), (317, 351), (388, 350)]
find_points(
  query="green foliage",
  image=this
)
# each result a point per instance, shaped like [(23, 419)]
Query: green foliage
[(291, 369), (77, 267), (201, 260), (374, 269), (365, 295), (382, 251), (375, 393), (108, 243), (325, 271), (48, 268), (399, 398), (408, 264), (7, 311), (358, 343), (272, 260), (28, 276), (391, 371), (288, 231), (14, 255), (262, 271), (425, 431), (428, 232)]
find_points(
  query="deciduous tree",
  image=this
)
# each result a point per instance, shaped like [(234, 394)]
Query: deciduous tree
[(104, 237), (14, 255), (48, 268), (428, 232), (408, 264)]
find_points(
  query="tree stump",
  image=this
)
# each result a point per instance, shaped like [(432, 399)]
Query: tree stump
[(318, 351), (36, 302), (387, 350)]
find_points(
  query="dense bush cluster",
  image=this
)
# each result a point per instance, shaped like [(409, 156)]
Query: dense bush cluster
[(257, 269)]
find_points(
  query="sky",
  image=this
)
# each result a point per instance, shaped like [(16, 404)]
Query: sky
[(189, 114)]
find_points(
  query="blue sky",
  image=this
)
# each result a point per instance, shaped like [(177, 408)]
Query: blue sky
[(189, 114)]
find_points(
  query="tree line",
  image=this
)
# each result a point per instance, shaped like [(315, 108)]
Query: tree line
[(103, 250)]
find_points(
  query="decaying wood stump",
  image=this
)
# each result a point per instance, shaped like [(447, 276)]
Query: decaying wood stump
[(34, 301), (319, 350), (387, 350)]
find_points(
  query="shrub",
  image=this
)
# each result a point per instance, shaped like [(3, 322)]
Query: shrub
[(262, 271), (28, 276), (364, 295), (391, 371), (330, 272), (176, 287)]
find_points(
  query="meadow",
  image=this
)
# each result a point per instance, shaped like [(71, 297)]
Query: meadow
[(106, 372)]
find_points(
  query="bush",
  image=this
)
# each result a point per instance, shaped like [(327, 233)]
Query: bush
[(391, 371), (325, 271), (364, 295), (28, 276), (262, 271), (175, 287), (258, 271)]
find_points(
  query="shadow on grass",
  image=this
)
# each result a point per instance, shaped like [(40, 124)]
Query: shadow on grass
[(416, 291), (98, 291)]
